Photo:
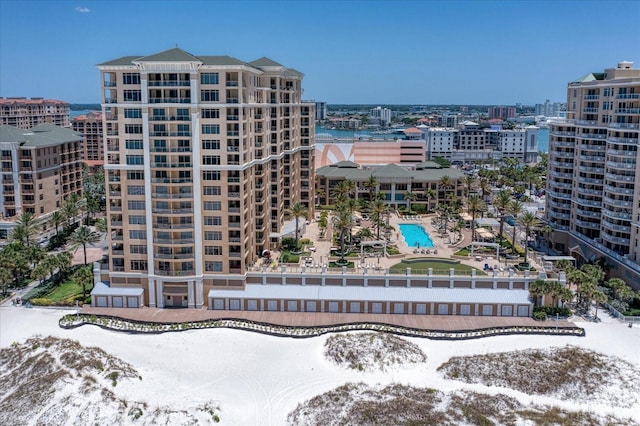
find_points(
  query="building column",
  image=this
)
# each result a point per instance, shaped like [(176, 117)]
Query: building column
[(199, 295), (160, 296), (152, 292), (190, 294)]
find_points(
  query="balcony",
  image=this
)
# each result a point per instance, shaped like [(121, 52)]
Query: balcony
[(171, 165), (163, 195), (110, 84), (619, 178), (617, 165), (617, 228), (624, 125), (617, 203), (173, 225), (586, 224), (616, 215), (617, 190), (172, 211), (590, 110), (174, 241), (586, 122), (615, 240), (169, 100), (591, 97), (233, 117), (633, 141), (628, 111), (174, 273), (628, 96), (168, 83), (233, 100)]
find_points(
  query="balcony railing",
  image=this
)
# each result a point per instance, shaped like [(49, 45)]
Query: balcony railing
[(169, 100), (168, 83), (628, 96), (624, 125)]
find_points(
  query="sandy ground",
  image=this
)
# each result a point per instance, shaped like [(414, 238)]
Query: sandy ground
[(259, 379)]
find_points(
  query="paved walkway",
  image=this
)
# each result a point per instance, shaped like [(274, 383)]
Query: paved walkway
[(311, 319)]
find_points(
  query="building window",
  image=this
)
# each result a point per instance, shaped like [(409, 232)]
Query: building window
[(209, 78), (213, 266), (212, 205), (135, 160), (210, 113), (137, 249), (137, 234), (132, 113), (212, 190), (211, 175), (131, 78), (139, 265), (133, 128), (132, 96), (135, 190), (210, 144), (211, 160), (135, 175), (209, 96), (213, 220), (137, 220), (213, 235), (213, 250), (133, 144), (135, 204), (210, 129)]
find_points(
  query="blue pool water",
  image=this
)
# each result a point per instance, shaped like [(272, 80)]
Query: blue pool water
[(415, 235)]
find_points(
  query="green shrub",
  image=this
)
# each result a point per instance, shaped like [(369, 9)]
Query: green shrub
[(553, 311), (539, 316), (41, 302)]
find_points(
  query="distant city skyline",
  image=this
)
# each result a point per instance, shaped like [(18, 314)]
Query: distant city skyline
[(351, 52)]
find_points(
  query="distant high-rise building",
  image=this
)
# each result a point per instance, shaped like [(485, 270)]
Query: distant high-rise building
[(41, 167), (380, 116), (206, 156), (502, 112), (593, 182), (321, 110), (90, 126), (27, 113), (550, 109)]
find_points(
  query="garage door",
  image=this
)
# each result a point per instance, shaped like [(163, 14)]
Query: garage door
[(218, 304), (421, 309), (523, 311), (398, 308), (443, 309), (312, 307), (354, 307), (252, 305), (234, 304), (465, 309), (292, 306), (101, 301), (272, 305), (333, 307), (132, 302), (507, 311), (376, 308), (487, 310), (117, 301)]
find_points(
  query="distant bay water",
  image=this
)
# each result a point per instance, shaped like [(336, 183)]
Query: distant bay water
[(543, 134)]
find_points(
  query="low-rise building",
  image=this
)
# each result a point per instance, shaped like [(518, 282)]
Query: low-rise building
[(27, 113), (90, 126)]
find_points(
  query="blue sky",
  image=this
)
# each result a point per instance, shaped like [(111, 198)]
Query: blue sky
[(373, 52)]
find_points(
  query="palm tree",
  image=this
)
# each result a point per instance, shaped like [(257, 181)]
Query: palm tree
[(409, 197), (83, 236), (371, 184), (429, 194), (343, 221), (501, 203), (598, 297), (298, 210), (485, 188), (56, 218), (474, 205), (84, 276), (378, 208), (537, 289), (25, 229), (468, 181), (101, 225), (515, 209), (63, 261), (319, 194), (70, 208), (5, 278), (530, 222), (444, 184)]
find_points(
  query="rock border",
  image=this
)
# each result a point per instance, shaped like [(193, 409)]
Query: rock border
[(113, 323)]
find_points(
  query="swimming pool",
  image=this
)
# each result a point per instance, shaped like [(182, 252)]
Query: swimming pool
[(415, 236)]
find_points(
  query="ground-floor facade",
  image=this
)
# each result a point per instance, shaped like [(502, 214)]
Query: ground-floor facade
[(323, 290)]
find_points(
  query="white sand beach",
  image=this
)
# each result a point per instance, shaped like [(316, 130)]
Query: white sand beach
[(258, 379)]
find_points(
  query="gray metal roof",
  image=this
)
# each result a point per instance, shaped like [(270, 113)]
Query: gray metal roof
[(265, 62), (376, 294), (101, 289), (172, 55), (125, 60), (221, 60), (345, 170), (39, 136)]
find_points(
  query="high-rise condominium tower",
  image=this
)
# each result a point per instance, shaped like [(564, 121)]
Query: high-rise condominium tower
[(204, 156), (593, 198)]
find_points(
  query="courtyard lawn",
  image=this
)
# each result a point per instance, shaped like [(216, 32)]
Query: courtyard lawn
[(438, 266), (65, 291)]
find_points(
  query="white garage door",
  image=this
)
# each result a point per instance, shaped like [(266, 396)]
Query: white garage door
[(443, 309), (523, 311), (465, 309), (132, 302), (376, 308), (234, 304), (312, 306), (398, 308), (252, 305), (101, 301), (272, 305), (421, 309), (354, 307), (292, 306), (117, 301), (333, 307), (487, 310), (218, 304), (507, 311)]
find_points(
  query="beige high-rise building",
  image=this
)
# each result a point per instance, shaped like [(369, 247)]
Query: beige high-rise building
[(41, 167), (90, 126), (27, 113), (204, 156), (593, 182)]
